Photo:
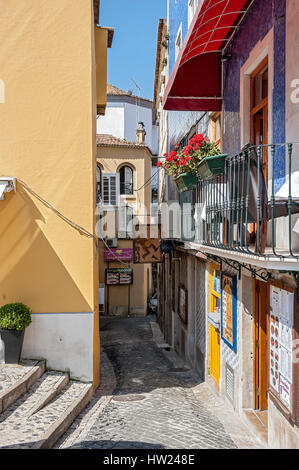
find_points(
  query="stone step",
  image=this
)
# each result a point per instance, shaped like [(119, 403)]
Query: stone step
[(31, 424), (15, 380)]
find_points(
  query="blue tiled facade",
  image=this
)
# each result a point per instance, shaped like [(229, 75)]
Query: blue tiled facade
[(263, 15), (180, 122)]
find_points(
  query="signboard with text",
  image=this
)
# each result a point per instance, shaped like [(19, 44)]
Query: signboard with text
[(119, 277), (119, 254), (229, 310)]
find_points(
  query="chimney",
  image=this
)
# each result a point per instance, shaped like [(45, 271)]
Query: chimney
[(140, 133)]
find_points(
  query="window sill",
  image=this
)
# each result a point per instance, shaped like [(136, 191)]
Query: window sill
[(128, 196)]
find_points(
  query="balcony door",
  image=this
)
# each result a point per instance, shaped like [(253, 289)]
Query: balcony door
[(259, 109), (259, 130)]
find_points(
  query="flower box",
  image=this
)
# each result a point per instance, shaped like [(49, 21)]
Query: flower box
[(186, 181), (212, 166)]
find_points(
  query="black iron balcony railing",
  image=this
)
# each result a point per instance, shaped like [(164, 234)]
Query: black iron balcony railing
[(253, 206)]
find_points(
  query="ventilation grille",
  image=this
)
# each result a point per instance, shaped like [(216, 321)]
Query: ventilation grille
[(230, 383)]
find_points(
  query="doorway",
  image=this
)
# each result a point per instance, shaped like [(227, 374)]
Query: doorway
[(259, 83), (215, 306), (260, 345)]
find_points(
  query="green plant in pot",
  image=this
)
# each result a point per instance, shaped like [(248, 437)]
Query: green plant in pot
[(14, 319), (185, 163)]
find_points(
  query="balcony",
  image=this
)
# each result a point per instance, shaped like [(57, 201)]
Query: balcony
[(250, 211)]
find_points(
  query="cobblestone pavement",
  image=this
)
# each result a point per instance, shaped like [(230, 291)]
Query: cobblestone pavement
[(155, 403), (11, 374)]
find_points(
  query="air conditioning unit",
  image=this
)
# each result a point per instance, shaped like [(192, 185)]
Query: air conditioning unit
[(111, 242)]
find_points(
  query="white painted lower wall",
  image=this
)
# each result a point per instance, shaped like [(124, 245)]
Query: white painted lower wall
[(65, 340), (281, 434)]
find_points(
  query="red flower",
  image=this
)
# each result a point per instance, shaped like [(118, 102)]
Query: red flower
[(198, 138), (196, 147), (187, 149), (165, 155), (159, 164)]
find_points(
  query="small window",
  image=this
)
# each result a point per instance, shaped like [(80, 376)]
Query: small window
[(99, 184), (216, 128), (192, 5), (126, 180), (178, 42)]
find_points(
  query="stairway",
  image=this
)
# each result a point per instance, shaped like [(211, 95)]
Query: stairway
[(38, 406)]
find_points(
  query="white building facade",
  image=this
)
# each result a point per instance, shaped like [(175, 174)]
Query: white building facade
[(123, 113)]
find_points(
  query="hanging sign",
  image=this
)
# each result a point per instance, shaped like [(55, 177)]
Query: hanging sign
[(147, 250), (119, 254), (281, 335), (119, 277), (229, 310)]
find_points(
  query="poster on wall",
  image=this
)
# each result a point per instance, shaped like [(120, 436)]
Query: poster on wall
[(281, 335), (183, 304), (118, 277), (229, 310)]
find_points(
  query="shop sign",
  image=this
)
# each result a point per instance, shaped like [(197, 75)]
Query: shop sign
[(119, 254), (119, 277), (229, 310), (147, 250)]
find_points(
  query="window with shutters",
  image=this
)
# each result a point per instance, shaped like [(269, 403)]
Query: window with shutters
[(110, 189)]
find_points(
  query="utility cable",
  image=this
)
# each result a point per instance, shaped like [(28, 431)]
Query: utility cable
[(69, 221)]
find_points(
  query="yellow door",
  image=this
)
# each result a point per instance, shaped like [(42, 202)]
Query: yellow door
[(214, 354), (215, 296)]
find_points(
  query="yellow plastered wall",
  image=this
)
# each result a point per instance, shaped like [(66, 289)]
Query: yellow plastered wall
[(124, 300), (101, 45), (111, 158), (47, 139)]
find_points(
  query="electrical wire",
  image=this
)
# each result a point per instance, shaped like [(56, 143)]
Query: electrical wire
[(70, 222), (147, 182)]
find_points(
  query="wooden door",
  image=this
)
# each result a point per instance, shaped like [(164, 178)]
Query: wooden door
[(260, 345)]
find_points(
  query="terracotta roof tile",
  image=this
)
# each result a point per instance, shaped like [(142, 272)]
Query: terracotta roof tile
[(107, 139), (113, 90)]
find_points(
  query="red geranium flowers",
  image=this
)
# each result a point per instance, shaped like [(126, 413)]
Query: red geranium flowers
[(188, 158)]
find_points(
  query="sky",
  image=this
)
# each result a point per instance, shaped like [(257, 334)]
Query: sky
[(133, 52)]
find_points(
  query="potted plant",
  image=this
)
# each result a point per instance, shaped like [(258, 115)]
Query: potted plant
[(14, 318), (200, 156)]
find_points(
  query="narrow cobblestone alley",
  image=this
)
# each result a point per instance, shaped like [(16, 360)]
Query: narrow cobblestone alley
[(155, 403)]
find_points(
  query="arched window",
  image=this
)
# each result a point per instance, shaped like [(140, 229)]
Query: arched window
[(126, 180), (99, 183)]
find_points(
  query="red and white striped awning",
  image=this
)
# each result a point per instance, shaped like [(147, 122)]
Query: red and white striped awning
[(195, 82)]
